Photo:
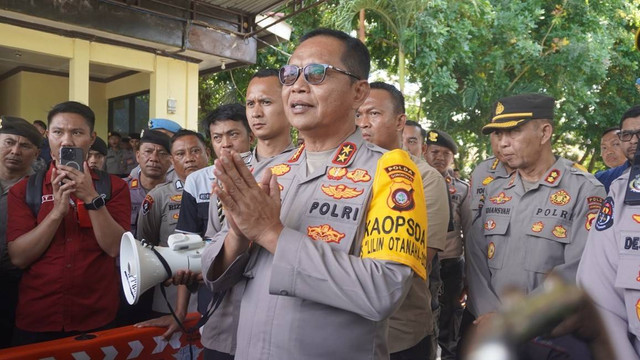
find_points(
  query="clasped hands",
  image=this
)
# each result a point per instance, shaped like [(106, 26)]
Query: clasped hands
[(252, 208)]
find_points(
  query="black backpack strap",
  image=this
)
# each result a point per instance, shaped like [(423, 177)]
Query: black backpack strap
[(103, 184), (34, 191)]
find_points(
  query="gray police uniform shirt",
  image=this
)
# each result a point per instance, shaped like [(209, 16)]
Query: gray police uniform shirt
[(413, 320), (610, 268), (298, 303), (137, 193), (458, 193), (529, 234), (220, 330), (158, 219), (478, 277)]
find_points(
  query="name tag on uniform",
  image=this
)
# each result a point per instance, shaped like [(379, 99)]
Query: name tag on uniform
[(629, 243)]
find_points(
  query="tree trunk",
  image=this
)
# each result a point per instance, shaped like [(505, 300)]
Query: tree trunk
[(401, 68), (361, 32)]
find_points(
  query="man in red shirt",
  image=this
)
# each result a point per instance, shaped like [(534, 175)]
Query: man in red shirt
[(67, 249)]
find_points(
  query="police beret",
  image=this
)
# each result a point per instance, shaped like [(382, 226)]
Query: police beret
[(513, 111), (114, 133), (166, 124), (156, 137), (441, 138), (21, 127), (100, 146)]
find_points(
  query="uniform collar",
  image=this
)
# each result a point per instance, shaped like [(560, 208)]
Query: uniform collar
[(551, 178)]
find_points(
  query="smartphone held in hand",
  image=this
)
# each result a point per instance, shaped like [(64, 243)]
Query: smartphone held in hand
[(72, 157)]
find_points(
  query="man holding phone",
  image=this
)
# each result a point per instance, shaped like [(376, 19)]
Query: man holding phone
[(68, 248)]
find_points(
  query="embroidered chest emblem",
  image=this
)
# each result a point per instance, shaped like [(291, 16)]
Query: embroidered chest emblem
[(336, 173), (281, 169), (537, 226), (501, 198), (359, 175), (490, 224), (341, 191), (325, 233), (345, 154), (559, 231), (491, 250), (560, 198), (176, 198)]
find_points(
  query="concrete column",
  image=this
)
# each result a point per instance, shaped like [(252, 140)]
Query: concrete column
[(79, 72), (158, 88), (191, 106)]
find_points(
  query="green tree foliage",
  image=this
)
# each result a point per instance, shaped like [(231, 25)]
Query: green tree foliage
[(465, 54)]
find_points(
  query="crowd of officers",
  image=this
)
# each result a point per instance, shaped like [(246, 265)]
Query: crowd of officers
[(360, 242)]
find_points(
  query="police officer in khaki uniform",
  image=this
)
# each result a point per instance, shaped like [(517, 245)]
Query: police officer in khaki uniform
[(159, 217), (440, 152), (341, 226), (537, 220), (382, 121), (610, 267)]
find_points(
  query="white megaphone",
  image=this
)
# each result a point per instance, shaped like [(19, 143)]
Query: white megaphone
[(143, 266)]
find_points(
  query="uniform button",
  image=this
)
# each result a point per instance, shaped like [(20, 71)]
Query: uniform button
[(284, 292)]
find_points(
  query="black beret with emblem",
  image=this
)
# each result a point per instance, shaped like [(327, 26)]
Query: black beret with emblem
[(513, 111), (441, 138), (21, 127), (156, 137), (100, 146)]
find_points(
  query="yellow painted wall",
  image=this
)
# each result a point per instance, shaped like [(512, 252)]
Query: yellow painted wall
[(10, 95), (164, 77)]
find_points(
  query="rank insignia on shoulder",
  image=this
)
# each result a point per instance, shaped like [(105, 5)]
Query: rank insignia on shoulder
[(560, 198), (491, 250), (341, 191), (487, 180), (146, 204), (336, 173), (500, 199), (495, 164), (134, 183), (552, 176), (537, 226), (325, 233), (359, 175), (580, 167), (281, 169), (559, 231), (605, 216), (297, 154), (347, 150)]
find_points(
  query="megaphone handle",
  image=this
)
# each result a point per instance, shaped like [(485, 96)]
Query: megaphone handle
[(167, 268)]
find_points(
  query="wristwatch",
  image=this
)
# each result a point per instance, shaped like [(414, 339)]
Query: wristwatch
[(96, 203)]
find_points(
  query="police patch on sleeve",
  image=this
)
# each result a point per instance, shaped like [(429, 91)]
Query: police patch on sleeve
[(146, 204), (396, 224), (605, 217)]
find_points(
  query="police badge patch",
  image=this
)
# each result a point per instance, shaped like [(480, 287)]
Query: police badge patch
[(605, 217)]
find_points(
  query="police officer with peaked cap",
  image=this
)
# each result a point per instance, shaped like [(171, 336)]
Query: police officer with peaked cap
[(610, 266), (441, 149), (537, 220)]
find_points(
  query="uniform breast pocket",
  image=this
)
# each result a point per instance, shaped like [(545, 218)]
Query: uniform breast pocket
[(628, 278), (546, 239), (495, 231)]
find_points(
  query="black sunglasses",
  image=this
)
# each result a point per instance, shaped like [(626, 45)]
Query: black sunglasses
[(627, 135), (314, 74)]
